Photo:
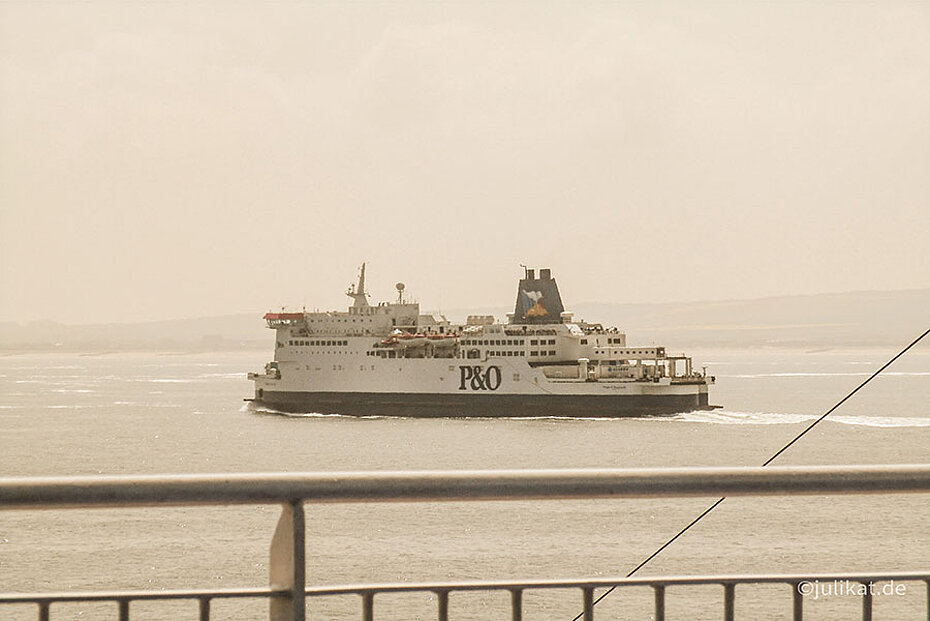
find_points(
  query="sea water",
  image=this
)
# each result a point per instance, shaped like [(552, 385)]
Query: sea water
[(143, 413)]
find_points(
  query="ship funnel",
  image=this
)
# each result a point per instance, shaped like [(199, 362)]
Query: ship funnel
[(538, 299)]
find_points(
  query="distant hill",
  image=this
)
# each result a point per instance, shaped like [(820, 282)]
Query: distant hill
[(863, 318), (855, 319), (205, 333)]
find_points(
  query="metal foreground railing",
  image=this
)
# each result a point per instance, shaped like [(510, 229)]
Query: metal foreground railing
[(288, 591)]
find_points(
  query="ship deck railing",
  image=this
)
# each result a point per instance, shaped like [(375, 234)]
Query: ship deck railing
[(288, 591)]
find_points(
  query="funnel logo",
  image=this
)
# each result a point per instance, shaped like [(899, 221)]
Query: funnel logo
[(477, 378), (532, 303)]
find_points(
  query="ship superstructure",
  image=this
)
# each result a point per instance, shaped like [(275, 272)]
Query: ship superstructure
[(390, 360)]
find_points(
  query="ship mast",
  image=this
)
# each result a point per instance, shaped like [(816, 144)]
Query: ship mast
[(358, 293)]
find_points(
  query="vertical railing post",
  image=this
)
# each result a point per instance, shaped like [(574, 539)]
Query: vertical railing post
[(587, 599), (44, 611), (287, 567), (442, 598), (124, 610), (204, 609), (729, 601), (798, 601), (516, 605), (368, 606), (660, 602), (866, 603)]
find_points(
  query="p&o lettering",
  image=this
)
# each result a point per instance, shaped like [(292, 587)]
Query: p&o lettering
[(477, 378)]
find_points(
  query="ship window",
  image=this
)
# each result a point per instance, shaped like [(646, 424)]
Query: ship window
[(552, 353), (522, 353), (534, 342), (521, 342), (534, 353), (552, 341), (584, 341)]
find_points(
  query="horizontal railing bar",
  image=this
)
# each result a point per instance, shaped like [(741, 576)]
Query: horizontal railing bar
[(576, 583), (449, 587), (115, 596), (149, 490)]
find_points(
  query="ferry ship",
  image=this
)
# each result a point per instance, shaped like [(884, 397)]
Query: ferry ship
[(389, 359)]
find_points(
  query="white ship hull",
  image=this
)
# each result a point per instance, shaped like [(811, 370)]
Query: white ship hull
[(346, 381)]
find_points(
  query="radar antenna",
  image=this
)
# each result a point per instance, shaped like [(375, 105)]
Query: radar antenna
[(358, 293)]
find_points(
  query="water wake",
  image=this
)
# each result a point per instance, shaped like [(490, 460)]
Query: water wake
[(810, 374), (723, 417)]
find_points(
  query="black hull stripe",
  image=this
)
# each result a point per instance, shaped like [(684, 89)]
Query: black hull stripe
[(479, 405)]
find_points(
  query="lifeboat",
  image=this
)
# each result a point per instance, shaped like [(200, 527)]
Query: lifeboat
[(411, 340), (442, 341)]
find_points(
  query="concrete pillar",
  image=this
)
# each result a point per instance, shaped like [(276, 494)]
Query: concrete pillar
[(287, 567)]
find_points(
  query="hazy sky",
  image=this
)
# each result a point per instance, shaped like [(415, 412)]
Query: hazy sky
[(164, 160)]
